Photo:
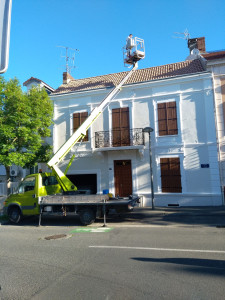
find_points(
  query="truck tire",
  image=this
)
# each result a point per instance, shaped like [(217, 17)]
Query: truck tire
[(87, 216), (14, 214)]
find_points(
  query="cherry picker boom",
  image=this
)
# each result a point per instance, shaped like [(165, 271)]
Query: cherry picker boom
[(53, 193), (66, 184)]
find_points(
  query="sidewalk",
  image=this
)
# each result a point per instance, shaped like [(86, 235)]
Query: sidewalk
[(167, 216)]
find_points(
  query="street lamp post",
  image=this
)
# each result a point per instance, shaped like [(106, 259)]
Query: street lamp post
[(149, 130)]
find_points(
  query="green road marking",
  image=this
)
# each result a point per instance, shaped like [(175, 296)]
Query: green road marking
[(98, 229)]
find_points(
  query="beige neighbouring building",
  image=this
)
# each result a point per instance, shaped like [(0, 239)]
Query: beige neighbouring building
[(216, 65)]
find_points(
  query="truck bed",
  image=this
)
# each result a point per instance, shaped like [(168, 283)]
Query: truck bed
[(88, 207), (84, 199)]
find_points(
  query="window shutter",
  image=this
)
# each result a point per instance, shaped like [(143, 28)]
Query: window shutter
[(78, 119), (125, 127), (162, 119), (172, 118), (167, 118), (121, 127), (170, 175), (116, 127), (83, 117)]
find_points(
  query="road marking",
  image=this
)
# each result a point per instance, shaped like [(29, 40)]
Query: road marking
[(159, 249), (99, 229)]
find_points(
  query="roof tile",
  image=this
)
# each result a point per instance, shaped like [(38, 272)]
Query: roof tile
[(214, 55), (141, 75)]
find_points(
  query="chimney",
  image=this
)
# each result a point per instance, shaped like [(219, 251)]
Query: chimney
[(67, 78), (197, 47), (201, 44), (197, 43)]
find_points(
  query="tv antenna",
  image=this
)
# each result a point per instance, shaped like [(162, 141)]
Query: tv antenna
[(185, 35), (69, 57)]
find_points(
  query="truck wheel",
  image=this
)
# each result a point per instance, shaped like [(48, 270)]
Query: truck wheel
[(15, 214), (87, 216)]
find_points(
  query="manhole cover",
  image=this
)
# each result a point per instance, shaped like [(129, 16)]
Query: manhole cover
[(55, 237)]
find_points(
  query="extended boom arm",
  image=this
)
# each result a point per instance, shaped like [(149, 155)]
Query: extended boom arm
[(81, 132)]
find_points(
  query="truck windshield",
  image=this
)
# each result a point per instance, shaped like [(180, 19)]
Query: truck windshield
[(27, 185)]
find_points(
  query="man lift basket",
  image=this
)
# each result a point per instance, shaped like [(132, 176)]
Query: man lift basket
[(133, 51)]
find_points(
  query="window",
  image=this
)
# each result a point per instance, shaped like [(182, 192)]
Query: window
[(167, 118), (50, 180), (121, 127), (27, 185), (78, 119), (170, 175)]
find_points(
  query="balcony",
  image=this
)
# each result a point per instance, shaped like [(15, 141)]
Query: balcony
[(119, 138)]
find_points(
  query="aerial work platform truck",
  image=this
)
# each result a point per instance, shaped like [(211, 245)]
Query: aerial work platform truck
[(53, 193)]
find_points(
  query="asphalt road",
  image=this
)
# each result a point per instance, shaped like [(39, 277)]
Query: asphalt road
[(126, 262)]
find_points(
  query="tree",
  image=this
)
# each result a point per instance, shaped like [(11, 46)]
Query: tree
[(24, 123)]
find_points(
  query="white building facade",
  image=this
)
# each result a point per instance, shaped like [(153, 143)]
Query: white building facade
[(215, 63), (177, 102)]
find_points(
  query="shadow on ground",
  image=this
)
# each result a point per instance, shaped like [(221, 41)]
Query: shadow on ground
[(46, 221), (178, 216), (210, 267), (142, 216)]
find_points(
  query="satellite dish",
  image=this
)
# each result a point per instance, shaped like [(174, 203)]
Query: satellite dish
[(195, 51)]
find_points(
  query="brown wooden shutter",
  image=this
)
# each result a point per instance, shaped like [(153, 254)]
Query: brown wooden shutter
[(78, 119), (167, 118), (172, 118), (121, 127), (116, 127), (162, 119), (170, 175)]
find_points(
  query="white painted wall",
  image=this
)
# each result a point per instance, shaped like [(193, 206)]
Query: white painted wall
[(195, 143)]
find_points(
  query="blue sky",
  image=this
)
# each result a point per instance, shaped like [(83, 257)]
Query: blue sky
[(99, 28)]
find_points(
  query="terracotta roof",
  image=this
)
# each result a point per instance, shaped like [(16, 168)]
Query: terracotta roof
[(214, 55), (142, 75)]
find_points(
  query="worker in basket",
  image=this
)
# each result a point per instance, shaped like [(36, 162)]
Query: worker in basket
[(129, 45)]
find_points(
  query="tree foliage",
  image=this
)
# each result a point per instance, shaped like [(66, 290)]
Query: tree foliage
[(24, 123)]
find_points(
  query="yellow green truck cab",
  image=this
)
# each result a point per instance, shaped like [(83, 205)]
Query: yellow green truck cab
[(24, 201)]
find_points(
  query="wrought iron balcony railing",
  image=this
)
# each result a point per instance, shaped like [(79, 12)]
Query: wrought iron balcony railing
[(119, 138)]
